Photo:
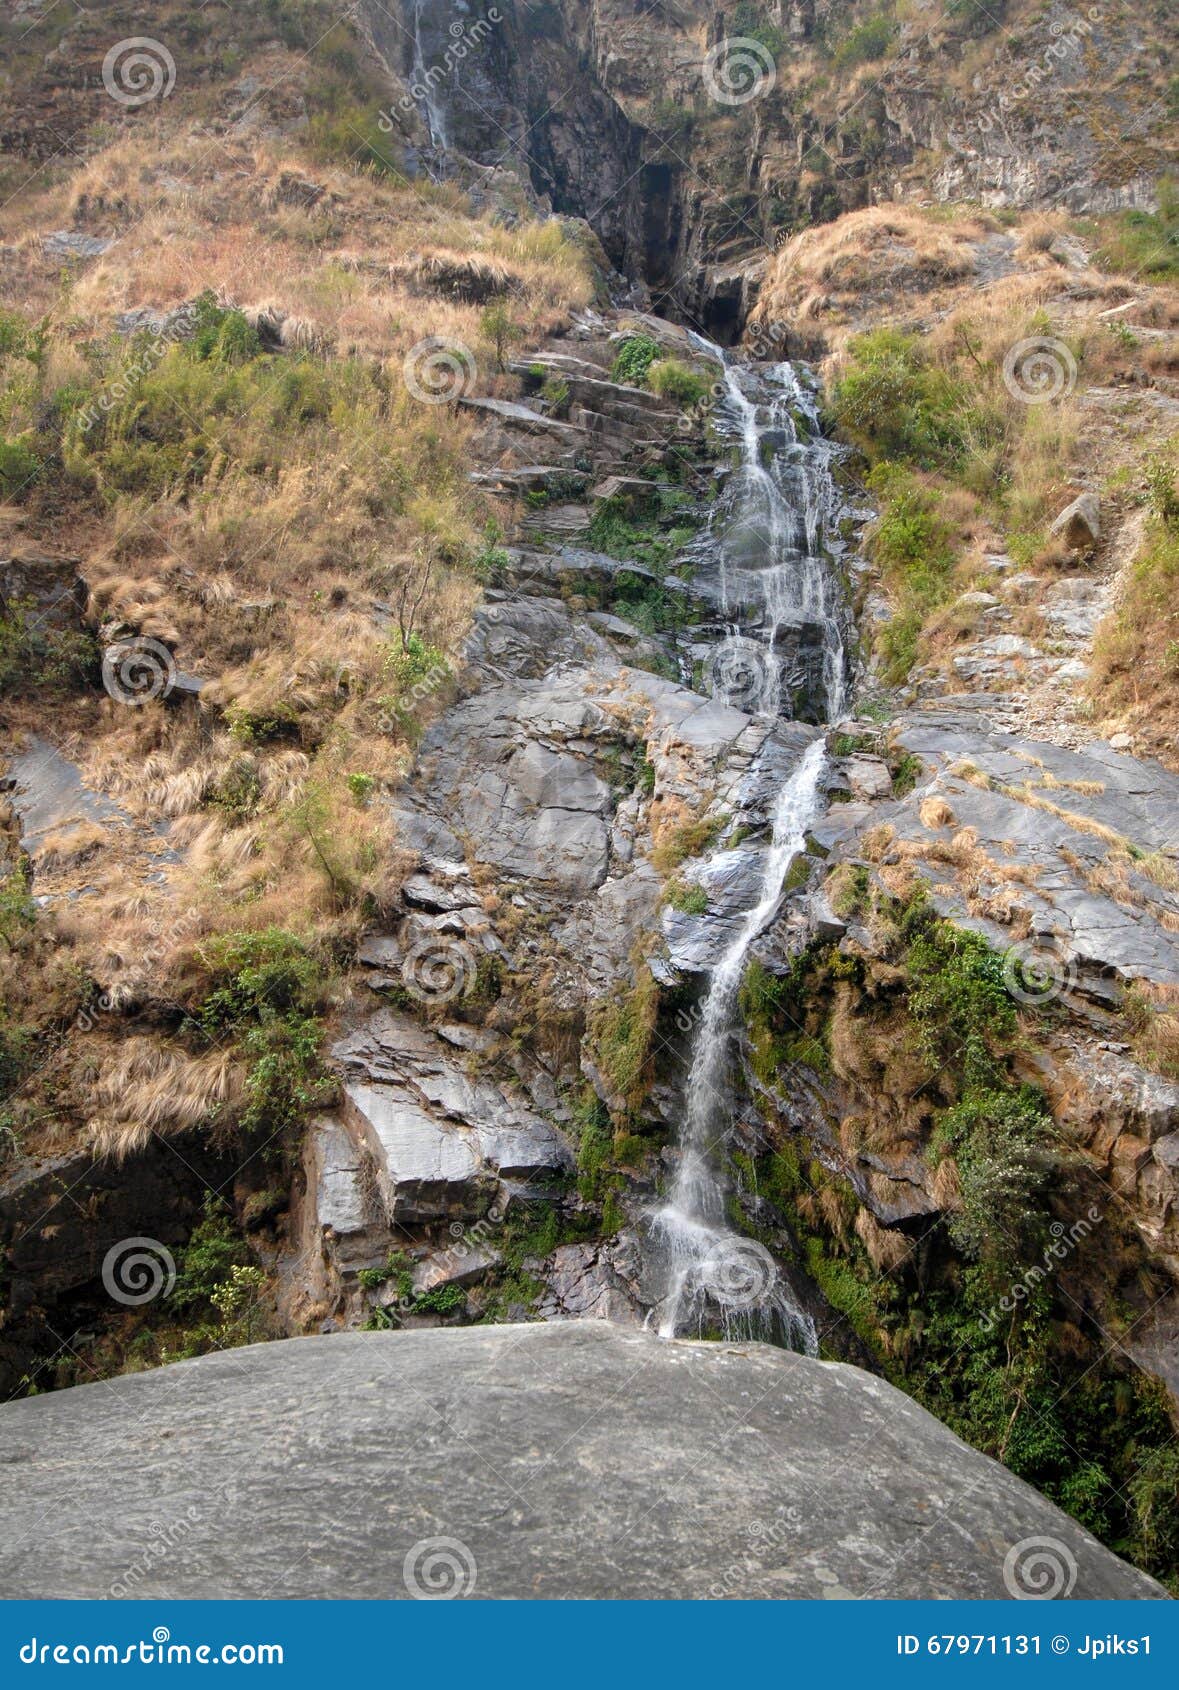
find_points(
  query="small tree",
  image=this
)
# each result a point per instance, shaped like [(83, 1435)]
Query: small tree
[(502, 330)]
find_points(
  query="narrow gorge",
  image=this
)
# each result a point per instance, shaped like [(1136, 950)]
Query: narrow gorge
[(589, 781)]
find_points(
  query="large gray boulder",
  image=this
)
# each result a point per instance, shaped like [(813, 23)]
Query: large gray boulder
[(566, 1460)]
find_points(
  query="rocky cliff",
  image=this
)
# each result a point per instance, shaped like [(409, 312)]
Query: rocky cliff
[(695, 135), (401, 666)]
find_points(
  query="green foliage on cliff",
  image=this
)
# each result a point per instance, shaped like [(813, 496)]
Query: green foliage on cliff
[(896, 401), (265, 994), (1145, 243), (635, 357), (975, 1324)]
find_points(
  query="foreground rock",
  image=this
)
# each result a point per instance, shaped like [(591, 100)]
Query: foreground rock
[(552, 1461)]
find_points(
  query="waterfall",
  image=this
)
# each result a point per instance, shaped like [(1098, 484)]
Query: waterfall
[(768, 547), (710, 1266), (423, 88), (774, 575)]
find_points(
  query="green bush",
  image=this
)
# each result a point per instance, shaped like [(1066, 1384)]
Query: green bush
[(265, 993), (687, 896), (894, 402), (1005, 1157), (20, 467), (866, 41), (673, 380), (1145, 243), (915, 548), (957, 996), (635, 357), (214, 1249)]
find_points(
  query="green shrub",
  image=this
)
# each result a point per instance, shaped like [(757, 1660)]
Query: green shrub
[(673, 380), (635, 357), (866, 41), (266, 990), (20, 467), (622, 1030), (687, 896), (214, 1249), (1005, 1157), (1145, 243), (895, 402), (342, 132), (915, 549), (957, 996)]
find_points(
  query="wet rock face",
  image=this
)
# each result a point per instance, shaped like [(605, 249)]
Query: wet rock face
[(226, 1443)]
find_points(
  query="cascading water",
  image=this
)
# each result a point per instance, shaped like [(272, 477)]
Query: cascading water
[(424, 87), (769, 549), (774, 577)]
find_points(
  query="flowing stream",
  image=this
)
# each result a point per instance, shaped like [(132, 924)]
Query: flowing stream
[(768, 545), (424, 89)]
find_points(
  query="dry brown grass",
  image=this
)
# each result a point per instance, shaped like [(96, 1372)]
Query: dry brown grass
[(144, 1087), (70, 846), (827, 272)]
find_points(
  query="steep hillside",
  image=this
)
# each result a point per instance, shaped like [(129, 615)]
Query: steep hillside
[(588, 694)]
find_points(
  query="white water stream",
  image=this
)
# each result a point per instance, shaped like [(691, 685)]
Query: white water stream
[(772, 575), (424, 88)]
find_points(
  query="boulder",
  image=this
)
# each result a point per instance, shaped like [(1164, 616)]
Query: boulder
[(1079, 524), (566, 1460)]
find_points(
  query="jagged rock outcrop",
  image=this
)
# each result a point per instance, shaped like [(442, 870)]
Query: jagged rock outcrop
[(692, 137), (225, 1445)]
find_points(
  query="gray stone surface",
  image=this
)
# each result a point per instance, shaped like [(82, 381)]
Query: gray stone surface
[(1066, 817), (50, 796), (439, 1139), (1079, 524), (565, 1460)]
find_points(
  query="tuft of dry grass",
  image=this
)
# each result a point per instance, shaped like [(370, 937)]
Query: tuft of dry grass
[(145, 1087)]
